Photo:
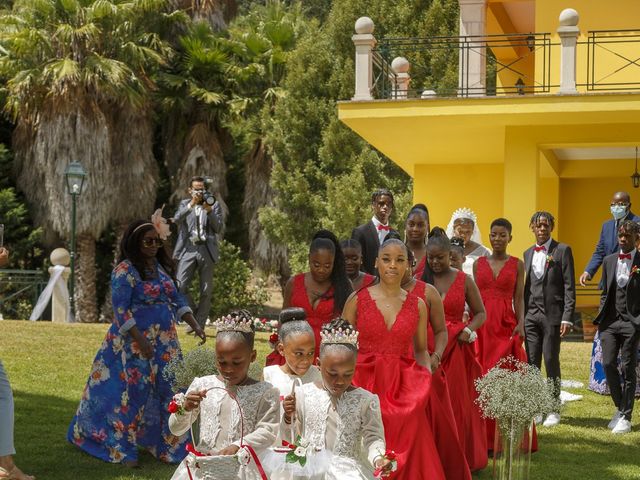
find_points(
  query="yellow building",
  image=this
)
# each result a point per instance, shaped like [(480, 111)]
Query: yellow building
[(545, 120)]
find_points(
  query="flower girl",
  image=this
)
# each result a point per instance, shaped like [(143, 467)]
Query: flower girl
[(213, 399), (331, 414)]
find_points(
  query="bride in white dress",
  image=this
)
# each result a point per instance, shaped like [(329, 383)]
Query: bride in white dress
[(464, 224)]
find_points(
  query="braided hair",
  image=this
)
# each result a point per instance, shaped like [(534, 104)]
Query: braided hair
[(342, 288), (536, 217), (381, 192), (629, 226), (437, 238), (293, 321)]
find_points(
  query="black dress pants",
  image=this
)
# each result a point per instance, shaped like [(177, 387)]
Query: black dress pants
[(543, 340)]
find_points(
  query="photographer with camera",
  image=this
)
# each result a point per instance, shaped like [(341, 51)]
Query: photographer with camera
[(199, 219)]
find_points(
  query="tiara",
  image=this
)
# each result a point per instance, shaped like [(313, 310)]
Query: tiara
[(233, 323), (465, 212), (346, 336)]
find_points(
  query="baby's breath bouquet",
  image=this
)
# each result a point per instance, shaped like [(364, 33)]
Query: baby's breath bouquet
[(513, 393), (198, 362)]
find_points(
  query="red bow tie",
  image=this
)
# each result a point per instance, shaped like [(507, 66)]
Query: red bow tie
[(541, 248), (622, 256), (384, 227)]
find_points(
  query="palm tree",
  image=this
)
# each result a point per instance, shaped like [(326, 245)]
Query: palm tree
[(79, 80)]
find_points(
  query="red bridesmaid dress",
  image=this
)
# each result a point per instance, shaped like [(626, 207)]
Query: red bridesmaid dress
[(403, 386), (462, 369), (440, 414), (419, 270), (495, 339)]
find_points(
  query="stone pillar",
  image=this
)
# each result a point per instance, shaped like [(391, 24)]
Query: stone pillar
[(60, 308), (472, 69), (402, 79), (568, 32), (364, 42)]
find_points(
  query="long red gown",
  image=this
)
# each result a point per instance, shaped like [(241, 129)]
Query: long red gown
[(495, 339), (419, 270), (462, 369), (440, 415), (402, 385)]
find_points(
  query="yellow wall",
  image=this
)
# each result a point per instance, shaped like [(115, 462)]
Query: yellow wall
[(594, 15), (444, 188)]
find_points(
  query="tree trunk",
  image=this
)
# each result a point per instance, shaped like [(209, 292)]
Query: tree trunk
[(85, 285), (106, 311)]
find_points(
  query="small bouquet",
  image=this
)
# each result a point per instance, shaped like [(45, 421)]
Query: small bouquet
[(549, 259), (635, 270), (273, 339), (384, 472), (198, 362), (296, 452), (176, 405)]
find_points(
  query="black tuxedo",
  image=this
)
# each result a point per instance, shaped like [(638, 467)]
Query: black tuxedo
[(548, 302), (619, 325), (367, 236)]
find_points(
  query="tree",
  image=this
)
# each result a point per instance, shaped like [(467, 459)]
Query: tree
[(79, 81)]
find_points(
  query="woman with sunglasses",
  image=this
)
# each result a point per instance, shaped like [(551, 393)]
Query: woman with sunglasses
[(124, 404)]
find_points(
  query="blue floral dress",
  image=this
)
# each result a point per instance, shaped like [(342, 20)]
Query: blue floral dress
[(124, 404), (597, 379)]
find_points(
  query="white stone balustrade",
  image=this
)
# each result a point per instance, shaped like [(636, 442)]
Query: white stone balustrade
[(364, 42), (401, 79), (568, 32)]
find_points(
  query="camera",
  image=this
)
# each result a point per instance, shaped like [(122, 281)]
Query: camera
[(207, 196)]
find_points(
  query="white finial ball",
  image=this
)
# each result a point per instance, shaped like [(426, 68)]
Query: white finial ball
[(364, 25), (400, 65), (428, 94), (569, 18), (60, 256)]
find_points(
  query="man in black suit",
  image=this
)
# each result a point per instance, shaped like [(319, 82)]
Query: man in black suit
[(371, 234), (619, 323), (549, 299)]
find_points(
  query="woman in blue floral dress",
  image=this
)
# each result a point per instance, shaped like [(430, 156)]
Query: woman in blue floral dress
[(124, 404)]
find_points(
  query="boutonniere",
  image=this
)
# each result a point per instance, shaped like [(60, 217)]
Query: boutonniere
[(550, 260), (635, 270)]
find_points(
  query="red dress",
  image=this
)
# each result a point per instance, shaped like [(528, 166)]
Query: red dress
[(402, 385), (441, 418), (495, 339), (419, 270), (462, 369)]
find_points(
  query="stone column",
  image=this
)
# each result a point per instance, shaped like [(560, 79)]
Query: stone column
[(472, 69), (402, 79), (59, 301), (568, 32), (364, 42)]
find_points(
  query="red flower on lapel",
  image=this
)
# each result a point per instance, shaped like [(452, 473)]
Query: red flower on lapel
[(635, 270), (550, 260)]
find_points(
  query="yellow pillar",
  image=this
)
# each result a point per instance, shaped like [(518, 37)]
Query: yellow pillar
[(521, 180), (549, 188)]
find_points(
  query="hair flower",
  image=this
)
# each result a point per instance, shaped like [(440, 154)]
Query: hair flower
[(160, 224)]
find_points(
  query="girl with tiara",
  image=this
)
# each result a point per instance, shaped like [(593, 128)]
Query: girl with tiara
[(353, 262), (464, 224), (457, 253), (416, 229), (334, 416), (459, 358), (324, 289), (213, 399), (390, 322), (439, 410)]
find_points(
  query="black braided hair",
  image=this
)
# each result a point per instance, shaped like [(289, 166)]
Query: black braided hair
[(342, 288), (457, 243), (336, 324), (535, 218), (502, 222), (379, 193), (629, 226), (292, 322), (437, 238)]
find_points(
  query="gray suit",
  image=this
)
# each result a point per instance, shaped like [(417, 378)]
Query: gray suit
[(200, 256)]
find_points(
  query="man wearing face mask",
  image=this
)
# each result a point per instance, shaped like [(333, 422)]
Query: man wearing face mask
[(608, 243)]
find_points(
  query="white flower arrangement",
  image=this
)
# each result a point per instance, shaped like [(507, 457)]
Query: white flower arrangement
[(515, 392), (198, 362)]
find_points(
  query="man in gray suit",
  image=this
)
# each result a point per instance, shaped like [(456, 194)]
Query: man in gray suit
[(198, 219), (549, 300)]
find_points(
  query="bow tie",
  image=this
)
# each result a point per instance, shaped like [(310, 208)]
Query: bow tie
[(384, 227), (622, 256), (541, 248)]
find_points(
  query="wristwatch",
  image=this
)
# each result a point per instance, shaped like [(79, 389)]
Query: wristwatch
[(472, 335)]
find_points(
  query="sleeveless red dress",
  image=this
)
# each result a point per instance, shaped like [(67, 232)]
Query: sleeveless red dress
[(419, 270), (440, 415), (403, 386), (462, 369), (495, 340)]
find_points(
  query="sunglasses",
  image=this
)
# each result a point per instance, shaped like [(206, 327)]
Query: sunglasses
[(152, 242)]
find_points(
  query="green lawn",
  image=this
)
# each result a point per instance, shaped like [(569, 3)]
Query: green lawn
[(48, 365)]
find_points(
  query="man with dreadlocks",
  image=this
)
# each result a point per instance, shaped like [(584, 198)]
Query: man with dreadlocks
[(619, 323), (549, 299)]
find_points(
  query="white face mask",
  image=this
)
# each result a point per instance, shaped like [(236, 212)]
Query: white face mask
[(618, 211)]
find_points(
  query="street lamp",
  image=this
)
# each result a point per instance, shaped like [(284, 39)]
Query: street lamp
[(635, 178), (74, 175)]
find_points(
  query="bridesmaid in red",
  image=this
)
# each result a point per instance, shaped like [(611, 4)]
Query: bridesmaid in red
[(324, 289), (439, 410), (459, 358), (352, 251), (500, 278), (390, 320), (416, 229)]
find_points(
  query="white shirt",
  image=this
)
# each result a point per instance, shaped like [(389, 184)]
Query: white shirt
[(623, 269), (201, 214), (381, 233), (539, 260)]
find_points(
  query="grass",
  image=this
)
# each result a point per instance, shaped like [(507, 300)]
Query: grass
[(48, 365)]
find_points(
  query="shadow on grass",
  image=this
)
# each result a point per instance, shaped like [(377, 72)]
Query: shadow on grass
[(42, 449)]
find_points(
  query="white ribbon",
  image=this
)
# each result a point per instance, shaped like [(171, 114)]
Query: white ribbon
[(57, 284)]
